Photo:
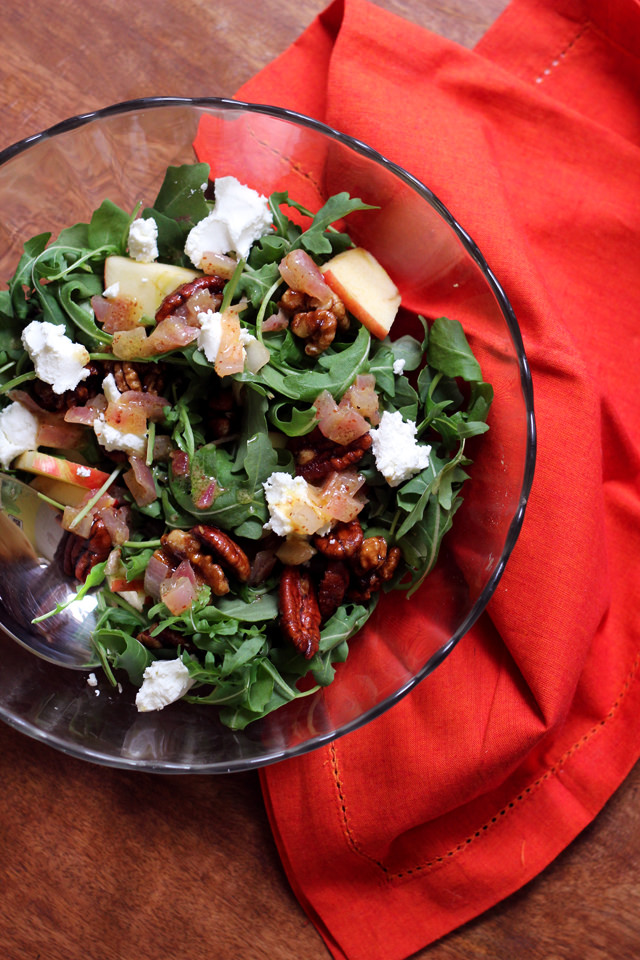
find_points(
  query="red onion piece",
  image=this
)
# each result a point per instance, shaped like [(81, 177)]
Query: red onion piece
[(300, 273), (139, 480)]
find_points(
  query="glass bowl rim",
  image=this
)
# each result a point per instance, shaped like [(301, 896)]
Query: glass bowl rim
[(526, 384)]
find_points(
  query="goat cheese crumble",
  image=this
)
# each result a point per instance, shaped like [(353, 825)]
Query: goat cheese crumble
[(239, 217), (18, 432), (294, 507), (143, 237), (210, 335), (397, 454), (110, 388), (163, 682), (111, 438), (56, 358)]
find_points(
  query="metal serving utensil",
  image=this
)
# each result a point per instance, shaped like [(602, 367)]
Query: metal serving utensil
[(32, 582)]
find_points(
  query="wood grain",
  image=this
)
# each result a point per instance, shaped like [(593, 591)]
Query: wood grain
[(79, 843)]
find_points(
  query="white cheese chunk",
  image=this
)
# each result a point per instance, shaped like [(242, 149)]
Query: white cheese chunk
[(246, 338), (110, 388), (210, 335), (163, 682), (397, 454), (56, 358), (240, 216), (398, 366), (113, 439), (18, 432), (294, 507), (112, 290), (143, 236)]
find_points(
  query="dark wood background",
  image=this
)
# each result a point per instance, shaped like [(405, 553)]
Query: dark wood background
[(65, 58)]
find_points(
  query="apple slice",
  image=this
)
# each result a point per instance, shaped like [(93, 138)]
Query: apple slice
[(68, 494), (45, 465), (365, 288), (148, 283)]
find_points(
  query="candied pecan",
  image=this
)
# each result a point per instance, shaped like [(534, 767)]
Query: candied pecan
[(317, 327), (222, 415), (292, 300), (299, 611), (332, 587), (227, 550), (141, 377), (344, 540), (163, 639), (363, 587), (316, 457), (371, 554), (43, 393), (184, 546), (81, 554), (313, 321), (390, 565), (175, 299)]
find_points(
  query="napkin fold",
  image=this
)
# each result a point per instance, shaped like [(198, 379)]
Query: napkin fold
[(462, 792)]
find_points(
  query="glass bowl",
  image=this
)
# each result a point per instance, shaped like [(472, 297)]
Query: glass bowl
[(59, 177)]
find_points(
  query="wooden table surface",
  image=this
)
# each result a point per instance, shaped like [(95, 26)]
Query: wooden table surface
[(68, 58)]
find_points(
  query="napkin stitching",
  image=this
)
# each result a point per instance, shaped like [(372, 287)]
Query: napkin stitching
[(552, 771), (295, 167), (557, 60)]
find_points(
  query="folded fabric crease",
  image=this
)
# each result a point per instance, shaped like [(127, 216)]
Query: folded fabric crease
[(477, 779)]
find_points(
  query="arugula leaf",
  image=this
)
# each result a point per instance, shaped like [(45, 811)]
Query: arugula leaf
[(170, 240), (341, 368), (109, 227), (123, 651), (315, 239), (82, 317), (407, 348), (291, 419), (23, 277), (181, 197), (449, 350)]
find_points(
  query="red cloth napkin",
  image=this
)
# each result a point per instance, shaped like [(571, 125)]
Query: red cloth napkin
[(466, 789)]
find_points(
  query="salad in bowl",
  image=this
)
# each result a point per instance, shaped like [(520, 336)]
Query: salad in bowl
[(242, 459)]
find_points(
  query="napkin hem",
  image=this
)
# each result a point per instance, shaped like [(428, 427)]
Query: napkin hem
[(567, 798)]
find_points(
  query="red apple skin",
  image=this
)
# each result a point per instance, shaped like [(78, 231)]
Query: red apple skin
[(354, 269), (46, 465)]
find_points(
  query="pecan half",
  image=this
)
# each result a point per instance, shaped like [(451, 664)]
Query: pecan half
[(344, 540), (81, 554), (183, 546), (363, 587), (371, 555), (332, 587), (313, 321), (316, 457), (52, 402), (299, 611), (317, 327), (226, 550), (174, 300), (164, 639), (141, 377), (222, 415)]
